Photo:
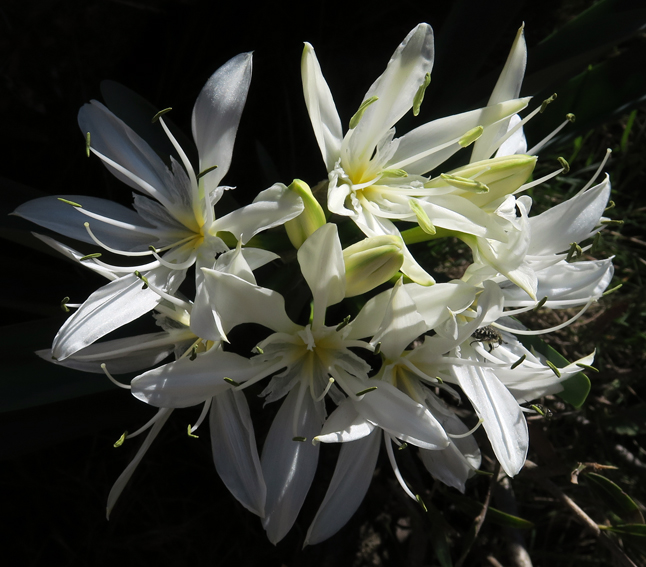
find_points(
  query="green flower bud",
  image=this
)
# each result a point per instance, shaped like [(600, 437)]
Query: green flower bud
[(310, 220), (488, 180), (371, 262)]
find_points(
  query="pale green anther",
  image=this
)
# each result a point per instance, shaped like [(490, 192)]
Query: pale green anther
[(258, 350), (419, 95), (574, 252), (299, 439), (519, 362), (354, 121), (71, 203), (193, 354), (554, 368), (565, 165), (366, 391), (611, 205), (570, 117), (402, 447), (439, 380), (310, 220), (609, 291), (538, 409), (64, 306), (160, 114), (372, 262), (471, 136), (343, 323), (191, 434), (378, 348), (90, 256), (207, 170), (231, 381), (422, 218), (464, 183), (393, 173), (587, 367), (87, 144), (546, 102), (142, 278), (540, 303), (121, 439), (421, 502), (617, 222)]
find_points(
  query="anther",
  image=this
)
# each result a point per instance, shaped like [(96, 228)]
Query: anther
[(112, 379), (366, 391), (613, 221), (587, 367), (231, 381), (90, 256), (540, 304), (343, 323), (87, 144), (120, 441), (160, 114), (354, 121), (421, 502), (553, 368), (64, 303), (565, 165), (70, 203), (207, 170), (190, 432), (419, 95), (546, 102), (519, 362), (574, 252), (193, 354), (394, 173), (611, 205), (258, 350), (471, 136), (570, 118), (378, 348), (299, 439), (142, 278), (402, 447)]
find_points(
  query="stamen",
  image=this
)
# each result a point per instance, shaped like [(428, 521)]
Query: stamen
[(470, 432), (160, 114), (174, 300), (519, 362), (597, 172), (111, 378), (538, 181), (90, 256), (587, 367), (612, 221), (419, 95), (574, 253), (173, 266), (569, 118), (471, 136), (87, 144), (327, 389), (120, 441), (366, 391), (554, 369), (231, 381), (160, 413), (343, 323), (203, 414), (421, 502), (540, 303), (191, 434), (354, 121), (551, 329), (70, 203), (207, 170), (377, 348), (611, 205), (609, 291), (423, 219), (299, 439), (190, 350), (565, 165), (64, 306), (393, 464), (546, 102)]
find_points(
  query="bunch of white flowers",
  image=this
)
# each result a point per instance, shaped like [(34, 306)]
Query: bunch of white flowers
[(409, 349)]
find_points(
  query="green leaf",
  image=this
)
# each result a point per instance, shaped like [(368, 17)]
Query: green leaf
[(615, 498), (495, 516), (635, 530), (577, 387), (439, 536)]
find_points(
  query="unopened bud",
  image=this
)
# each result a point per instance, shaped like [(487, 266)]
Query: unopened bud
[(310, 220), (371, 262)]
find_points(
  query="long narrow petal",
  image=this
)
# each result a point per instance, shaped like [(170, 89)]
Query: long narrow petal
[(187, 382), (272, 207), (395, 90), (289, 465), (216, 116), (321, 261), (344, 424), (504, 421), (348, 487), (234, 450), (320, 106), (110, 307)]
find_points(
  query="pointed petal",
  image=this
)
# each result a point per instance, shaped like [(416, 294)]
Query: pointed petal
[(395, 90), (344, 424), (320, 106), (216, 116), (348, 487), (187, 382), (321, 261), (288, 465), (110, 307), (234, 450), (124, 477), (504, 421), (272, 207)]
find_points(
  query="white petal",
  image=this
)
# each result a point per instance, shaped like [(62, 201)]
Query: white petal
[(110, 307), (187, 382), (344, 424), (216, 116), (320, 106), (321, 261), (234, 450), (396, 89), (288, 465), (572, 221), (272, 207), (516, 143), (65, 219), (348, 487), (504, 421)]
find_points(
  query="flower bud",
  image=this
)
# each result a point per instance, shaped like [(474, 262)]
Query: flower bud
[(485, 181), (371, 262), (310, 220)]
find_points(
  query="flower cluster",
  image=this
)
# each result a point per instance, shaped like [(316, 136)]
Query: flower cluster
[(410, 348)]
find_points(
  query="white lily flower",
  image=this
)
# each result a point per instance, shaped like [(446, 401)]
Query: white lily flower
[(376, 178), (174, 216)]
